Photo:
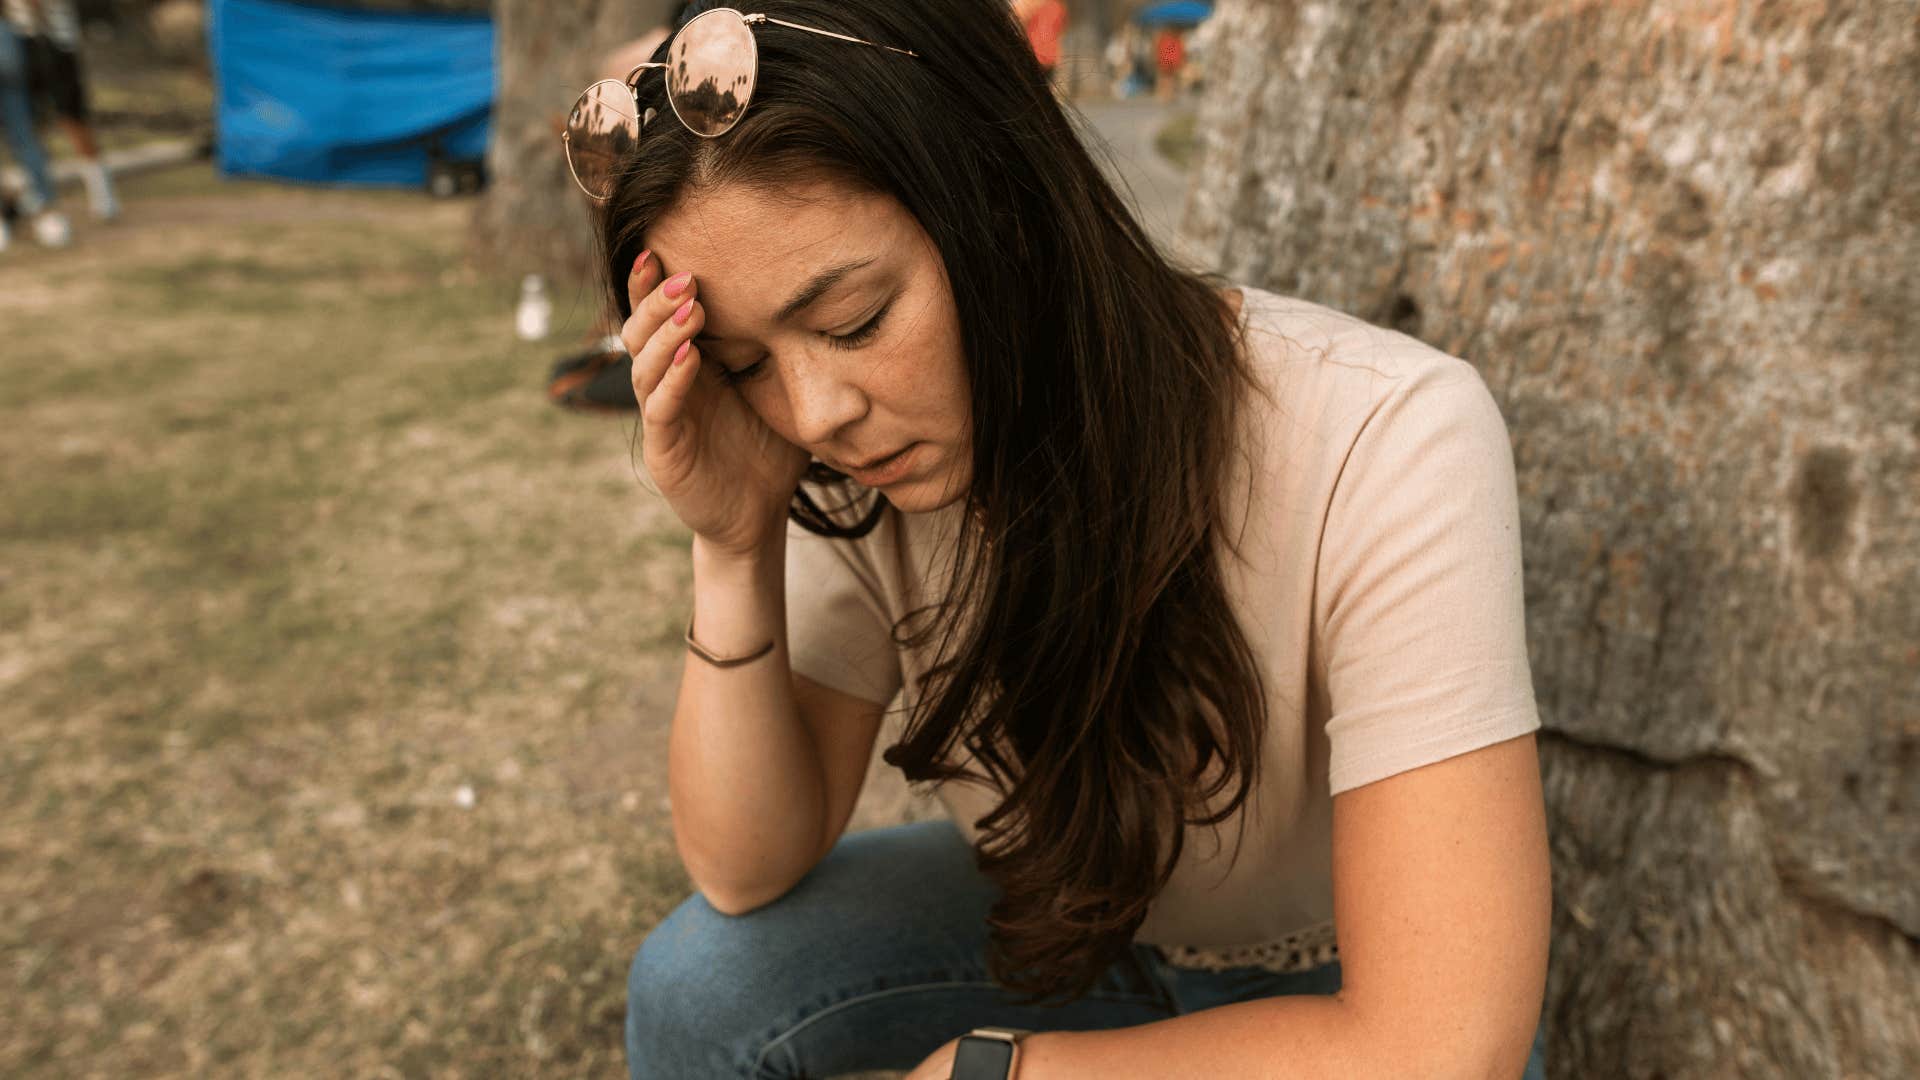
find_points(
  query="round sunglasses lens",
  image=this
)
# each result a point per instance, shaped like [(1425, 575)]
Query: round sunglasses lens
[(711, 70), (601, 132)]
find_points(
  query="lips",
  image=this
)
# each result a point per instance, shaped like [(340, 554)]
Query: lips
[(891, 469), (881, 460)]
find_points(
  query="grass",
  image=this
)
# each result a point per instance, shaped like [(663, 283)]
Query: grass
[(292, 551), (1176, 140)]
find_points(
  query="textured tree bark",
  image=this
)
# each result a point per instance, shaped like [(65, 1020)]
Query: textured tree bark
[(533, 219), (1681, 242)]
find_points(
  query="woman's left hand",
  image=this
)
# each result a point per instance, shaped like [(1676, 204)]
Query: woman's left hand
[(938, 1066)]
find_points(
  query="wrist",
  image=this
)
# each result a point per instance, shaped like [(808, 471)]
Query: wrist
[(739, 601), (750, 564), (991, 1053)]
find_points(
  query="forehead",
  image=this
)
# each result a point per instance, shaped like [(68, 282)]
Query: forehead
[(751, 248)]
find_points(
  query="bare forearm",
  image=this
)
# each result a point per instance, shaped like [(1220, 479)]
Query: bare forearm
[(1268, 1039), (743, 774)]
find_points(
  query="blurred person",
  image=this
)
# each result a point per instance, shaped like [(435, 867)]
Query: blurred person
[(1197, 606), (1170, 55), (51, 29), (1046, 25), (1118, 57), (39, 203)]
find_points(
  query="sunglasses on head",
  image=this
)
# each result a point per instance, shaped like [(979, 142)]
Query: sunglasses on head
[(711, 68)]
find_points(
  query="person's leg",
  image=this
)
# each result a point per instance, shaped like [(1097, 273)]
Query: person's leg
[(68, 89), (873, 961), (1194, 990), (16, 121), (80, 134)]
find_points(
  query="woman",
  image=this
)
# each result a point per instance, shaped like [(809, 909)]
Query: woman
[(1046, 23), (1199, 606), (51, 31), (17, 131)]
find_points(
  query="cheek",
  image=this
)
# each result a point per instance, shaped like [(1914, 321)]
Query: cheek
[(939, 383), (935, 400)]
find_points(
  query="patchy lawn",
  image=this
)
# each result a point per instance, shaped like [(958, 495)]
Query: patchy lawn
[(334, 662)]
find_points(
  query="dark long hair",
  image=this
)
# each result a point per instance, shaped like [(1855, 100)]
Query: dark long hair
[(1098, 672)]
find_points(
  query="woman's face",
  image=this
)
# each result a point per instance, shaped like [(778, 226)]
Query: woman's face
[(830, 311)]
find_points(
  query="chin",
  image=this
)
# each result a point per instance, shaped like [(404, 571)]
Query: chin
[(924, 495)]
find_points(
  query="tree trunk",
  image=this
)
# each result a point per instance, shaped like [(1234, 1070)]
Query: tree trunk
[(1681, 242), (533, 218)]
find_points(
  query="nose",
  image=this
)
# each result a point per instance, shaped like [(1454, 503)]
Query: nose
[(823, 399)]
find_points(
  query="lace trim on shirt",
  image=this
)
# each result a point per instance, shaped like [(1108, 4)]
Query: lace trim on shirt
[(1302, 950)]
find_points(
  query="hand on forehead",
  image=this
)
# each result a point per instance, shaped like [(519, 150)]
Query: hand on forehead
[(754, 252)]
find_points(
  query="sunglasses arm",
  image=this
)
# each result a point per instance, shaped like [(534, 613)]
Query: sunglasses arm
[(750, 19)]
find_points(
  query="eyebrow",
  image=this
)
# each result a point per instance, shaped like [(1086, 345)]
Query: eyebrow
[(822, 283)]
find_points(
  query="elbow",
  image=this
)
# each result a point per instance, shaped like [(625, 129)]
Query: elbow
[(740, 899), (729, 891), (736, 904)]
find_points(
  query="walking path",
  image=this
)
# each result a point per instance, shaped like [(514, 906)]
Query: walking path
[(1158, 190)]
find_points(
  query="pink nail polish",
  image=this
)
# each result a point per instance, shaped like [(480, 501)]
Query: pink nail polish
[(680, 354), (641, 262), (677, 284), (686, 309)]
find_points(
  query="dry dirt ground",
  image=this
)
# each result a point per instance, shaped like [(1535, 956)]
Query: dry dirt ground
[(335, 663)]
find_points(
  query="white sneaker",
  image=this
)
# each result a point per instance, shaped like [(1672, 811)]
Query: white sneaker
[(6, 234), (50, 227)]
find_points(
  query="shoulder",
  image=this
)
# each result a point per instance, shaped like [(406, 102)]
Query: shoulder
[(1354, 431), (1291, 338), (1328, 378)]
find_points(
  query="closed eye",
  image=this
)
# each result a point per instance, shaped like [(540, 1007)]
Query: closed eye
[(864, 334), (730, 376), (851, 340)]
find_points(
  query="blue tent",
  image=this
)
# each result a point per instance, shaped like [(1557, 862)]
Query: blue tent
[(332, 94), (1174, 13)]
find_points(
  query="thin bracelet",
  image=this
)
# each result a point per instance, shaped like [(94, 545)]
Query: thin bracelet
[(700, 651)]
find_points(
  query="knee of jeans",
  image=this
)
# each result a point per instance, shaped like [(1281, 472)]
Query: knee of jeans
[(703, 976)]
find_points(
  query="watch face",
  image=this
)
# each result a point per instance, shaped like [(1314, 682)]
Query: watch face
[(982, 1059)]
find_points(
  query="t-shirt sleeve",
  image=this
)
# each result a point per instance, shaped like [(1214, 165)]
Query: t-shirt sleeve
[(838, 633), (1418, 605)]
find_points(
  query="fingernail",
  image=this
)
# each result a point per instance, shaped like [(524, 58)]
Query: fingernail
[(677, 284), (686, 309), (641, 262), (680, 354)]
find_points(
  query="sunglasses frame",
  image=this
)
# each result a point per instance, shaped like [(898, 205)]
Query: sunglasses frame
[(638, 124)]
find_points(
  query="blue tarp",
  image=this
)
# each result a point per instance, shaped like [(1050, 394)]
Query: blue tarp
[(1174, 13), (337, 95)]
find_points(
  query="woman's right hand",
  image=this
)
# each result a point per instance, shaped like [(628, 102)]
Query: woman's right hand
[(726, 473)]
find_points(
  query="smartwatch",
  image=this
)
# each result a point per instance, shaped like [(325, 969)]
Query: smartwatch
[(988, 1053)]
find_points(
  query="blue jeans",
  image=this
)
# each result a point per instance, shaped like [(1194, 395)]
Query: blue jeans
[(16, 119), (873, 961)]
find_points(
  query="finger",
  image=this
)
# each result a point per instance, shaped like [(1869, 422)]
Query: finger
[(669, 396), (641, 277), (650, 364), (655, 306)]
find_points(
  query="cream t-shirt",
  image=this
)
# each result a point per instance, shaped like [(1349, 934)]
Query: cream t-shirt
[(1380, 591)]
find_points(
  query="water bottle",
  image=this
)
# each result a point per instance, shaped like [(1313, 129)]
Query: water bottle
[(534, 317)]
